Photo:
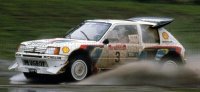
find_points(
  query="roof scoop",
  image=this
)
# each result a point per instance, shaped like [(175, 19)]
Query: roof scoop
[(158, 21)]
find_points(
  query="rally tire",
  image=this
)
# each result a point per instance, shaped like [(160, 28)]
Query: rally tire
[(171, 63), (78, 69)]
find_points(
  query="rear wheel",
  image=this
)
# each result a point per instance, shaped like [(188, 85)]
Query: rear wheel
[(171, 63)]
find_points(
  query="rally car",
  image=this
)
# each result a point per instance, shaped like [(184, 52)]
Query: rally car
[(100, 44)]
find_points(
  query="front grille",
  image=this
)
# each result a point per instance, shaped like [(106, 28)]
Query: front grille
[(32, 56), (35, 50), (39, 63), (32, 52)]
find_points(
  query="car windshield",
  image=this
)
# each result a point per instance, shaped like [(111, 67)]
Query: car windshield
[(89, 31)]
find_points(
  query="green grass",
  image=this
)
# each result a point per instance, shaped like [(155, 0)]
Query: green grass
[(22, 20)]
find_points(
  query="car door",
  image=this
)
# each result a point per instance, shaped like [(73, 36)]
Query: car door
[(124, 44), (110, 50), (134, 44)]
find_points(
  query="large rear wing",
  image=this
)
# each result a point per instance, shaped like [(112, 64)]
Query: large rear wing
[(157, 21)]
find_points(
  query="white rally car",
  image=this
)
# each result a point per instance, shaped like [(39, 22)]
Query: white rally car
[(100, 44)]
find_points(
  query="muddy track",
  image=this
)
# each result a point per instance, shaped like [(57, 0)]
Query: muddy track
[(137, 76)]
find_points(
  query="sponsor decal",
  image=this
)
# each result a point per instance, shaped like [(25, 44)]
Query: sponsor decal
[(83, 47), (132, 54), (170, 48), (160, 53), (65, 49), (117, 47), (165, 35), (167, 41), (88, 46), (96, 53)]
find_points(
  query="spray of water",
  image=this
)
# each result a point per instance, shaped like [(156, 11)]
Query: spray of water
[(148, 73), (18, 79), (140, 73)]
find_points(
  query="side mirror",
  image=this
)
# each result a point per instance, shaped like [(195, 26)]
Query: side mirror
[(106, 41)]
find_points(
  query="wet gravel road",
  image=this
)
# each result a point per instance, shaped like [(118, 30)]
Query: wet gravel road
[(15, 82)]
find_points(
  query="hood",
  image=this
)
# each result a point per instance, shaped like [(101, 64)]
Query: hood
[(44, 42), (51, 42), (40, 46)]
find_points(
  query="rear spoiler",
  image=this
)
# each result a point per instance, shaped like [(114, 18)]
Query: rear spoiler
[(157, 21)]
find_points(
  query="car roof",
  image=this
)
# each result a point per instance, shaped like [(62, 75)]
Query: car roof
[(116, 21), (156, 22)]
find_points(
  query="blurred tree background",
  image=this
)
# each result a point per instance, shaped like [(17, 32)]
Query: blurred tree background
[(164, 1), (22, 20)]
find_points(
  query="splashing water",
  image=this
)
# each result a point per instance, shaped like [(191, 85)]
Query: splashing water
[(18, 79), (140, 73), (149, 73)]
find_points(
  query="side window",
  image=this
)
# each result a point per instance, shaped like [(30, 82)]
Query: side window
[(122, 33), (149, 34)]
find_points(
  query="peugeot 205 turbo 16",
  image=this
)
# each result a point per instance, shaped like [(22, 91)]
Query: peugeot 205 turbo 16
[(100, 44)]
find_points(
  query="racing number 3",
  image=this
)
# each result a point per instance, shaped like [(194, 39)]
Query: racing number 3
[(117, 60)]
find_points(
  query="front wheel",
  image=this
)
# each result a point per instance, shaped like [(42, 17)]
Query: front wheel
[(78, 69)]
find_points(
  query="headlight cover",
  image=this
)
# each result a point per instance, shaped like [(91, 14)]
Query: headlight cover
[(21, 47), (52, 50)]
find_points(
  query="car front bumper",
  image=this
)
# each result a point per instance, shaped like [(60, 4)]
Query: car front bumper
[(39, 63)]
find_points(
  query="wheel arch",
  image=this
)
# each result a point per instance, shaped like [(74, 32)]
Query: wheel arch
[(80, 52), (174, 55), (83, 53)]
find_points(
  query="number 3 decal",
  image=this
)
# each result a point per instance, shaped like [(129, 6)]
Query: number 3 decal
[(117, 60)]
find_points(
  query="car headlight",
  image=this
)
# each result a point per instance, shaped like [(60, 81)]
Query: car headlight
[(21, 47), (52, 50)]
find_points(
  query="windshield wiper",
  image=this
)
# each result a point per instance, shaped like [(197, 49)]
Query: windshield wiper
[(69, 36), (85, 35)]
